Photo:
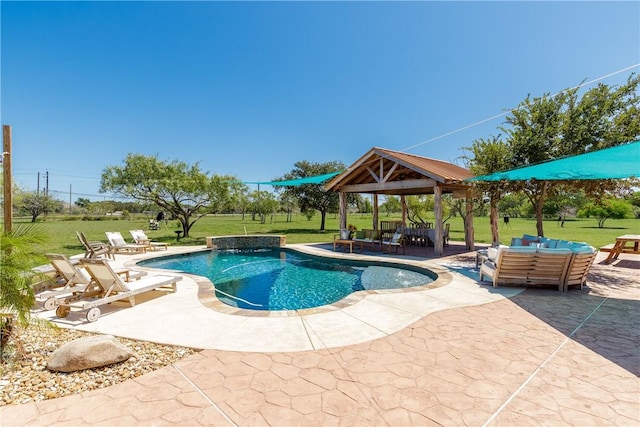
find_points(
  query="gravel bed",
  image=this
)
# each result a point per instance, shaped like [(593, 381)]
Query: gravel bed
[(25, 378)]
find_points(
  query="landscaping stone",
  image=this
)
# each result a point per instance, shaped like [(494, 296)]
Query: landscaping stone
[(87, 353)]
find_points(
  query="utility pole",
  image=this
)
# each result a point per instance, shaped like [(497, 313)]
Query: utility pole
[(46, 191), (69, 199), (38, 188), (6, 175)]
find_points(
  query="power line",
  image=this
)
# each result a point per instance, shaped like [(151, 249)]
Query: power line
[(511, 109), (110, 196)]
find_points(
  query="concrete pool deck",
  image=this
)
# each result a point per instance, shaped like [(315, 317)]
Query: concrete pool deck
[(458, 354)]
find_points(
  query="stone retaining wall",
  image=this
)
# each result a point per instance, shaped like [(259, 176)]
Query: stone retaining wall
[(245, 242)]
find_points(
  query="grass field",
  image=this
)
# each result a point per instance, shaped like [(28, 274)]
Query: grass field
[(61, 237)]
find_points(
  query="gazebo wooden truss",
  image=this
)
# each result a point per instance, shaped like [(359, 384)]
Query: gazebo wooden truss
[(382, 171)]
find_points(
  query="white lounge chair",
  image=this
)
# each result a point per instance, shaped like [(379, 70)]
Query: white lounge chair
[(109, 288), (118, 244), (72, 279), (140, 237)]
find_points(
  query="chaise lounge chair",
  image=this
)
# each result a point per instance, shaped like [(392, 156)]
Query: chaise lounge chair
[(110, 287), (72, 279), (140, 237), (94, 249), (119, 245)]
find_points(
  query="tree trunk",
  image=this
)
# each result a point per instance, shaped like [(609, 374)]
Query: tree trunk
[(493, 219), (538, 204), (539, 216), (323, 215), (185, 226)]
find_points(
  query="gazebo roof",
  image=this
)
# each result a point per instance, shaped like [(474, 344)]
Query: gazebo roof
[(383, 171)]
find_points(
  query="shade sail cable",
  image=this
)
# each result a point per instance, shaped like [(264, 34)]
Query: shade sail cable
[(318, 179)]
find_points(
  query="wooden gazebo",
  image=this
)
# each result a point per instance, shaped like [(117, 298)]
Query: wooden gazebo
[(383, 171)]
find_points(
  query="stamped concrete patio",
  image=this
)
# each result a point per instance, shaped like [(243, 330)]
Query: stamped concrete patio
[(479, 357)]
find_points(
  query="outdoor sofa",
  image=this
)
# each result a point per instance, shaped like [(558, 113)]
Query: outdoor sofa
[(368, 237), (533, 260)]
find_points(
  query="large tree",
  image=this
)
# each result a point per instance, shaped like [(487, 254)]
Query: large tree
[(552, 127), (489, 156), (313, 196), (36, 204), (184, 191), (263, 203)]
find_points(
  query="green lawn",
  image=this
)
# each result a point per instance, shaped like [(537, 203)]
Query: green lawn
[(62, 237)]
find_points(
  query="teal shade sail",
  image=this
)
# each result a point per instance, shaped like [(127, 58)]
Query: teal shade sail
[(318, 179), (619, 162)]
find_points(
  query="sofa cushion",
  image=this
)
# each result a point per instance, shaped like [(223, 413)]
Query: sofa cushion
[(562, 244), (523, 249), (581, 248), (548, 243), (554, 251), (492, 253)]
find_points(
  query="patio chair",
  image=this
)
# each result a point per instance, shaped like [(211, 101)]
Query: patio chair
[(94, 249), (140, 237), (109, 287), (73, 279), (388, 228), (396, 241), (118, 244)]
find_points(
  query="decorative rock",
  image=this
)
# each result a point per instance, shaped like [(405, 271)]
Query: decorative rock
[(87, 353)]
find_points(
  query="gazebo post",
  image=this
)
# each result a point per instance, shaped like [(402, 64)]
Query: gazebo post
[(438, 245), (375, 211), (343, 210), (403, 203)]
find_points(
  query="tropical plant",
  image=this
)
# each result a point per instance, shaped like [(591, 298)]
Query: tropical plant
[(17, 256)]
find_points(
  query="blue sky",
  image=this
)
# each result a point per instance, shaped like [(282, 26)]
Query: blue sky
[(249, 88)]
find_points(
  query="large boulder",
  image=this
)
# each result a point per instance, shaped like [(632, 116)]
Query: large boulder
[(87, 353)]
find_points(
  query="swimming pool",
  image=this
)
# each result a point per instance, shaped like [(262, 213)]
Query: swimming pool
[(280, 279)]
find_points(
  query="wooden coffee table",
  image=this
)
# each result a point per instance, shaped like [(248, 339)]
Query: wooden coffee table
[(344, 243)]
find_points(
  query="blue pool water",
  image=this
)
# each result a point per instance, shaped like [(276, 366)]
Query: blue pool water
[(284, 280)]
